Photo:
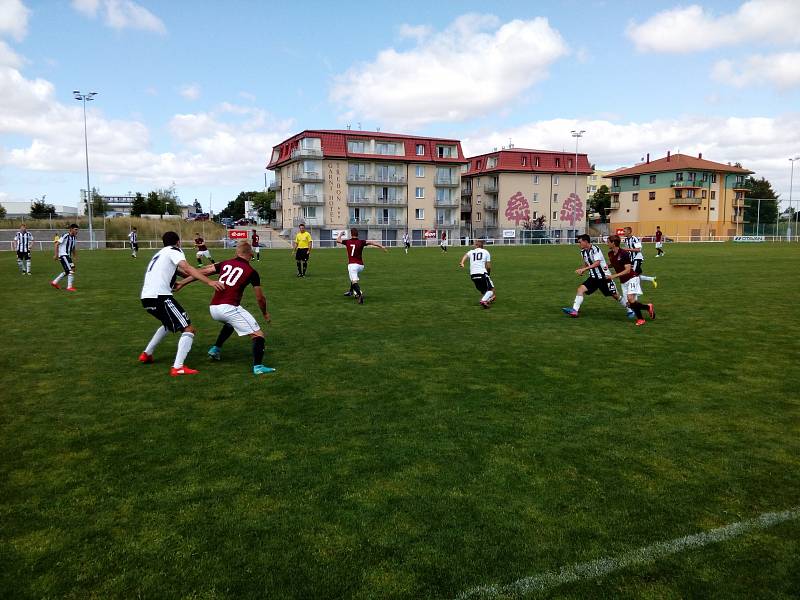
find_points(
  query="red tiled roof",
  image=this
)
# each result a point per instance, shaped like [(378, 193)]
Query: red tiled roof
[(334, 145), (511, 159), (677, 162)]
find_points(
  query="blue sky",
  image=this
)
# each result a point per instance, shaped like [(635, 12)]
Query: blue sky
[(197, 93)]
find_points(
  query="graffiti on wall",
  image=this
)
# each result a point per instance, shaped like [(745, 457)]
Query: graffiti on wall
[(518, 209), (573, 210)]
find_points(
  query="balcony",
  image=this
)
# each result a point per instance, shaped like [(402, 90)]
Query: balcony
[(446, 182), (738, 203), (277, 204), (491, 188), (274, 186), (366, 178), (489, 223), (353, 221), (490, 205), (445, 223), (466, 206), (306, 153), (686, 184), (307, 200), (466, 192), (685, 201), (739, 186), (614, 204), (737, 219), (307, 221), (388, 200), (616, 189), (387, 179), (390, 222), (361, 201), (446, 203), (307, 177)]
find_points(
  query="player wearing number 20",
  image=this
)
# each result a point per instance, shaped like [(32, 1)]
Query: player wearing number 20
[(226, 307), (480, 266)]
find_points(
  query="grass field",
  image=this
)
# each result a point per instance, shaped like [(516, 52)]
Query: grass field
[(413, 447)]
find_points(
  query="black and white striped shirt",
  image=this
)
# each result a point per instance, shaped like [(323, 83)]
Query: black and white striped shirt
[(132, 237), (634, 246), (66, 244), (23, 241), (592, 255)]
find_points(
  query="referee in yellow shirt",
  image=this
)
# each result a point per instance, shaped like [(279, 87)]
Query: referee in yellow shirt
[(302, 250)]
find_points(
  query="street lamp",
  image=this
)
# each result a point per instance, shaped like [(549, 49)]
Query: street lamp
[(84, 97), (578, 135), (791, 181)]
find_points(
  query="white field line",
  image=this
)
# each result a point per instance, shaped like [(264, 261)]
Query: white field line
[(640, 556)]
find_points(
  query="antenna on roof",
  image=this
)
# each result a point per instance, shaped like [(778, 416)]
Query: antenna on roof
[(359, 125), (510, 144), (348, 127), (377, 129)]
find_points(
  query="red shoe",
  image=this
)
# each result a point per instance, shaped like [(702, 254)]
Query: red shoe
[(72, 289), (145, 358), (182, 370), (55, 285), (651, 311), (640, 322)]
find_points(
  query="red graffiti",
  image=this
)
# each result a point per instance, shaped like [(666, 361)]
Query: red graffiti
[(518, 209), (573, 210)]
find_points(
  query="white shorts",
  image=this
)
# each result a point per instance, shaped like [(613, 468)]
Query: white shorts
[(256, 249), (235, 316), (205, 253), (632, 286), (353, 270), (659, 244)]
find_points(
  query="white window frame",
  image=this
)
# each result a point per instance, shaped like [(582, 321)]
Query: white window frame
[(535, 196), (535, 180), (555, 179), (420, 150), (420, 170), (419, 214), (555, 197), (419, 193)]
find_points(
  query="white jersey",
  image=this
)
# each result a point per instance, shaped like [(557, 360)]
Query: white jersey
[(23, 241), (66, 244), (132, 237), (405, 238), (634, 246), (591, 255), (161, 272), (478, 257)]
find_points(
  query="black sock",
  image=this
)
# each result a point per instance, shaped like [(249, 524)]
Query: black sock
[(305, 266), (258, 350), (356, 289), (637, 307), (299, 268), (224, 334)]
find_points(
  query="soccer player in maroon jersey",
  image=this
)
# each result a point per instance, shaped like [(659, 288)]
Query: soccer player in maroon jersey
[(255, 242), (659, 242), (236, 273), (622, 263), (355, 263), (202, 250)]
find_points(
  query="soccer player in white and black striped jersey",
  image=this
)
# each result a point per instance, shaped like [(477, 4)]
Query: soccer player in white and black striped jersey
[(157, 299), (595, 264), (23, 242), (64, 251), (634, 245), (133, 236)]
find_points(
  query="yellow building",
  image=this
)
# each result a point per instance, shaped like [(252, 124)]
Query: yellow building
[(687, 197), (382, 183)]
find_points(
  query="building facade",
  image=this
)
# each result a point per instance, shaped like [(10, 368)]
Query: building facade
[(687, 197), (381, 183), (517, 192)]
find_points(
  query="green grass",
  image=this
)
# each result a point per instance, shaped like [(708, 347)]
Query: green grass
[(416, 446)]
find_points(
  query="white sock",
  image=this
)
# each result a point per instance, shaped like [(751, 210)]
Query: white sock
[(19, 265), (184, 345), (28, 266), (58, 278), (623, 301), (158, 336), (487, 296), (576, 306), (646, 278), (70, 280)]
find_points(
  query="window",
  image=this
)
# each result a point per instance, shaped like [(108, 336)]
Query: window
[(535, 196), (420, 150), (555, 198), (713, 195), (536, 161), (635, 197), (558, 162), (651, 196), (555, 179), (309, 212), (491, 162), (356, 147), (569, 163), (678, 176), (477, 216), (636, 180), (535, 180), (478, 165), (652, 178), (385, 148), (419, 214), (678, 194), (444, 151), (555, 215), (420, 171), (739, 180), (703, 195), (713, 178), (420, 192), (524, 160), (443, 194), (690, 193), (692, 176), (594, 178), (705, 176), (357, 171)]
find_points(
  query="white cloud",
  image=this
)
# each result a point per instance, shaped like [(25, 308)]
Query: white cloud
[(693, 28), (121, 14), (761, 144), (8, 57), (475, 65), (417, 32), (247, 96), (190, 91), (14, 19), (780, 70)]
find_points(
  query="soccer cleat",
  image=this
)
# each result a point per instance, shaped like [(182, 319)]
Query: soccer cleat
[(261, 370), (145, 358), (182, 370), (299, 274), (55, 285), (631, 314), (484, 304), (72, 289), (571, 312), (651, 311), (655, 283), (640, 322), (214, 353), (350, 293), (361, 299)]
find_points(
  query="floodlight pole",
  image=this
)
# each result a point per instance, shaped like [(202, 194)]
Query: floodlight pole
[(83, 97), (791, 182), (577, 135)]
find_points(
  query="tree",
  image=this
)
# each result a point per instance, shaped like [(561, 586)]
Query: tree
[(153, 204), (41, 210), (600, 202), (99, 204), (139, 206), (760, 188), (235, 208), (2, 212), (262, 202)]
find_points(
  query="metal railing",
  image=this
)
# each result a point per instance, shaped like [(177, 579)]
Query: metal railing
[(274, 186), (685, 184), (390, 179), (306, 153), (277, 203), (466, 191), (685, 201), (383, 200), (307, 200), (360, 201), (316, 221), (466, 207), (306, 177), (383, 221), (446, 202), (491, 188), (446, 182), (614, 204), (358, 221), (490, 205), (359, 178), (445, 223)]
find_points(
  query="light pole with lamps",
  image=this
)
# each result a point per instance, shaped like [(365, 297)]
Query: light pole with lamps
[(578, 135), (84, 97), (791, 182)]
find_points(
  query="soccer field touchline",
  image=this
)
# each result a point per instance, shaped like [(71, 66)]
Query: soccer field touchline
[(641, 556)]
